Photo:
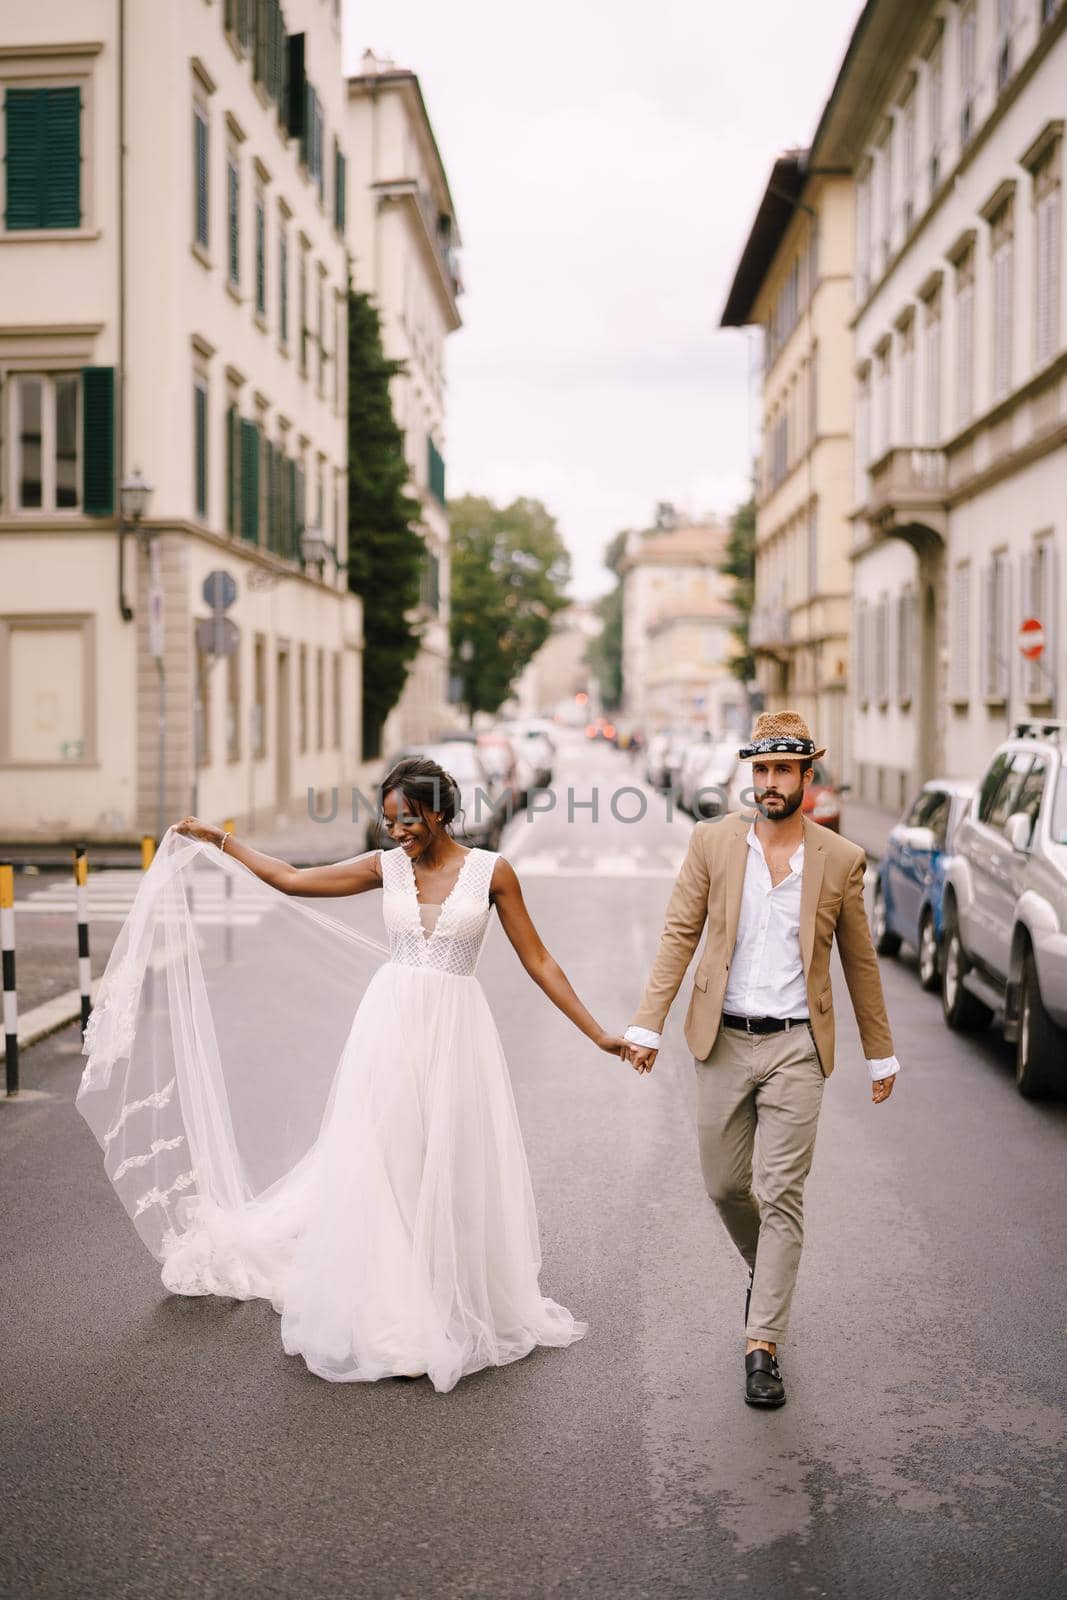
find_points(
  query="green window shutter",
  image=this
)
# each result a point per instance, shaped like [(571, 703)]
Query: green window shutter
[(98, 441), (339, 188), (293, 542), (43, 158), (200, 146), (62, 202), (232, 469), (249, 481), (200, 448), (235, 236)]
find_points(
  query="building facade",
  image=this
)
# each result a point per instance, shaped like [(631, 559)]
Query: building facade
[(173, 253), (950, 117), (677, 622), (407, 259), (794, 282)]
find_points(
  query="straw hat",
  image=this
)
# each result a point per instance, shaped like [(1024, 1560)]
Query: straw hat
[(781, 733)]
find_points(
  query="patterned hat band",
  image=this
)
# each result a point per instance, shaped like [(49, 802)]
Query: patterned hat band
[(787, 746)]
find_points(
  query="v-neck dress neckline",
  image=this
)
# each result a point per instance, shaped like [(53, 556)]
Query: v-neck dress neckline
[(441, 904)]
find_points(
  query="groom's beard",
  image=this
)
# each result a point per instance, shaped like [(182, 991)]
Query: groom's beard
[(791, 803)]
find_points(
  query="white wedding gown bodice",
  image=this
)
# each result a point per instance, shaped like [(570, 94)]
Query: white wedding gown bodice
[(406, 1240)]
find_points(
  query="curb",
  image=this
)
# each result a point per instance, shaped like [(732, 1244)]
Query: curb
[(50, 1017)]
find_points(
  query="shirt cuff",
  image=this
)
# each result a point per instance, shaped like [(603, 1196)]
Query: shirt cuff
[(883, 1067), (643, 1036)]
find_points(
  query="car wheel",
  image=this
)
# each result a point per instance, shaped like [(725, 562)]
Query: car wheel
[(1040, 1043), (964, 1012), (885, 942), (929, 972)]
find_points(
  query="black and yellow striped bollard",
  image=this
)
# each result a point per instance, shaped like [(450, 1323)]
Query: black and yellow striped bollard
[(81, 895), (11, 1008)]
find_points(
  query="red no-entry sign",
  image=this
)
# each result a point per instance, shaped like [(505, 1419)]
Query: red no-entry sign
[(1031, 638)]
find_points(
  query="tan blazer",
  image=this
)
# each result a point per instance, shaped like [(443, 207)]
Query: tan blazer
[(708, 889)]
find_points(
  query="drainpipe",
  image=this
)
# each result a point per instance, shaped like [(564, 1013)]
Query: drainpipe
[(125, 611)]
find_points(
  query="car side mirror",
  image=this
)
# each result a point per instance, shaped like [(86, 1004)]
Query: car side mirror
[(922, 840), (844, 788), (1018, 831)]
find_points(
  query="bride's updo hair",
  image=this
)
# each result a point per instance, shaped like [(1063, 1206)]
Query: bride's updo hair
[(425, 785)]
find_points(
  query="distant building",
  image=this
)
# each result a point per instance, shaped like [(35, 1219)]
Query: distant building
[(950, 117), (559, 671), (173, 256), (678, 617), (406, 243), (794, 281)]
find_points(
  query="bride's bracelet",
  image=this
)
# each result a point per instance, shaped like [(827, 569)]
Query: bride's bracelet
[(222, 841)]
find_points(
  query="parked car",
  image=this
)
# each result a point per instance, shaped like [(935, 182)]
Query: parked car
[(509, 766), (909, 888), (537, 746), (482, 814), (656, 758), (1005, 906), (705, 778)]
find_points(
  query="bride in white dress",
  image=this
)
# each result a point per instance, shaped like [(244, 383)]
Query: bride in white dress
[(404, 1238)]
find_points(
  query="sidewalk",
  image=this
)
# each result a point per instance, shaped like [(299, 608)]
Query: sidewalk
[(868, 826)]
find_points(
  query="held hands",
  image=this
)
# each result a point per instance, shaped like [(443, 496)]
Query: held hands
[(638, 1056)]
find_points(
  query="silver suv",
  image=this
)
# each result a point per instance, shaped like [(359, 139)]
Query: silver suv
[(1005, 907)]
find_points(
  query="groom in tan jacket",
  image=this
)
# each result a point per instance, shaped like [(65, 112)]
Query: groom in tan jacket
[(774, 889)]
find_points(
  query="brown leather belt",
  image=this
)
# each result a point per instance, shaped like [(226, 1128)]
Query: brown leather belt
[(763, 1024)]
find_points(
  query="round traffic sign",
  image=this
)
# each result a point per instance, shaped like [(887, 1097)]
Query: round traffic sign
[(220, 590), (1031, 638)]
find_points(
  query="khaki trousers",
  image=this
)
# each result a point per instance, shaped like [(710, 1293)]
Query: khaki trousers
[(769, 1085)]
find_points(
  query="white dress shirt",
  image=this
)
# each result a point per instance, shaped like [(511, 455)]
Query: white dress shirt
[(766, 970)]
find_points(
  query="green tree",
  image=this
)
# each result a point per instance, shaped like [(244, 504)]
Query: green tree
[(386, 552), (604, 654), (740, 564), (509, 572)]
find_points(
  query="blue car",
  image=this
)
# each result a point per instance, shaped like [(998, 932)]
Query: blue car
[(911, 875)]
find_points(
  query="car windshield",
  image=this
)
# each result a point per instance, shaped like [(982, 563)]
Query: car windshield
[(1059, 809)]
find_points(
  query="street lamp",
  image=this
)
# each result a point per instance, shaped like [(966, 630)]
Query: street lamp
[(314, 547), (135, 492)]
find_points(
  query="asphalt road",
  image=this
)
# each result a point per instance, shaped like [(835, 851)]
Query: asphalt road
[(155, 1446)]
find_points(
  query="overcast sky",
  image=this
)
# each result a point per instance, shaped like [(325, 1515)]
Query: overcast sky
[(606, 158)]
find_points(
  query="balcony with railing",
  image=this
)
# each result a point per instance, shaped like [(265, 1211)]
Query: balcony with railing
[(905, 487)]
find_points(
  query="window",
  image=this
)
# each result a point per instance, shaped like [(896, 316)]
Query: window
[(1005, 23), (261, 255), (935, 84), (1002, 244), (1030, 795), (201, 166), (258, 729), (46, 429), (1047, 224), (302, 699), (996, 662), (965, 338), (320, 699), (42, 158), (1039, 600), (863, 235), (338, 188), (881, 651), (968, 35), (885, 171), (907, 382), (233, 179), (960, 659), (233, 706), (905, 674), (201, 705), (200, 447), (337, 699), (932, 368), (863, 680), (249, 480), (283, 285), (1009, 792), (987, 794), (907, 161), (47, 690), (302, 310), (884, 394)]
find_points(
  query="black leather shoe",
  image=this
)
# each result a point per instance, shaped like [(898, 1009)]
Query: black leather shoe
[(763, 1381)]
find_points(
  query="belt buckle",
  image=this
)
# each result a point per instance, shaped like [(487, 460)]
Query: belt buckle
[(788, 1023), (748, 1025)]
